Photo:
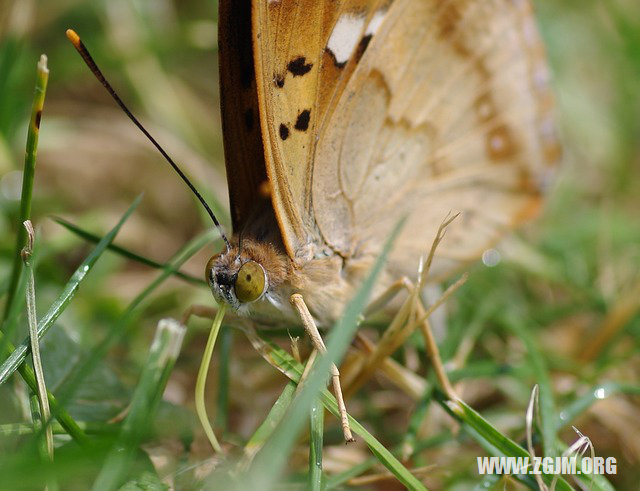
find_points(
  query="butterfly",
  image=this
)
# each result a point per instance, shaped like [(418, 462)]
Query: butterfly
[(342, 116), (339, 117)]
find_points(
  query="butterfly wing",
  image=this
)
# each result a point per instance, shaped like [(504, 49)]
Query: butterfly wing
[(373, 110), (448, 110), (244, 155)]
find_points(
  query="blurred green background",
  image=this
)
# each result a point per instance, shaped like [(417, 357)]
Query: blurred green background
[(574, 273)]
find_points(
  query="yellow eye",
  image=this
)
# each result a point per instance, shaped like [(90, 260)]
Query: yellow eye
[(250, 283)]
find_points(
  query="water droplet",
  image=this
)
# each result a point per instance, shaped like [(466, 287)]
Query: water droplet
[(600, 393), (491, 257)]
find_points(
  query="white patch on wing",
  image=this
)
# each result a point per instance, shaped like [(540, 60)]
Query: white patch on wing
[(376, 22), (345, 36)]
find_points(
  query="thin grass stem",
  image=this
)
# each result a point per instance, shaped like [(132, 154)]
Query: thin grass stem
[(32, 320), (28, 174), (201, 407), (126, 253)]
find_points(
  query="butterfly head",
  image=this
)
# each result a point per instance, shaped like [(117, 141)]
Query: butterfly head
[(236, 281), (241, 276)]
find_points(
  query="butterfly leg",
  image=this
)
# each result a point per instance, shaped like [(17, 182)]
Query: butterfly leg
[(312, 330)]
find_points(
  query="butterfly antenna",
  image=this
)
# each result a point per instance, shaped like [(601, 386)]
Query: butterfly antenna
[(80, 47)]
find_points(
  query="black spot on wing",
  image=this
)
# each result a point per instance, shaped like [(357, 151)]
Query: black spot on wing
[(302, 122), (284, 131), (298, 67), (278, 80)]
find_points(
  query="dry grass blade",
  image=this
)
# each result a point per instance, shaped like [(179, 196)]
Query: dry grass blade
[(32, 319), (409, 316)]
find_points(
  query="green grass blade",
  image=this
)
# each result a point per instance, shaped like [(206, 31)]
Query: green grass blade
[(265, 430), (358, 469), (597, 393), (342, 477), (384, 456), (19, 354), (548, 418), (355, 471), (92, 427), (27, 178), (419, 414), (172, 266), (137, 425), (64, 418), (126, 253), (488, 436), (316, 437)]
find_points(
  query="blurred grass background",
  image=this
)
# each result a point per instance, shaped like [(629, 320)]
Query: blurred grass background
[(574, 274)]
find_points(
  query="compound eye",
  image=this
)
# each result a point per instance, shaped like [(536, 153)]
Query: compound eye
[(250, 282)]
